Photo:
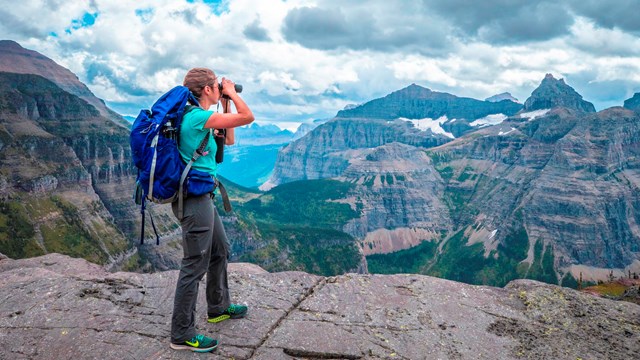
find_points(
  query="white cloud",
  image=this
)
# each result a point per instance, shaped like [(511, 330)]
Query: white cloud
[(137, 49), (420, 68)]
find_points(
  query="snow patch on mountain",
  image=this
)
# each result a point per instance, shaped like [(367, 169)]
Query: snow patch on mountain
[(502, 133), (534, 114), (493, 119), (435, 125)]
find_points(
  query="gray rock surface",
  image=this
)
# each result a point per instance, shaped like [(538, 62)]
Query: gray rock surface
[(633, 103), (59, 307)]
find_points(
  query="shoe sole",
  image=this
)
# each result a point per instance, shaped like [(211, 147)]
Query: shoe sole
[(191, 348), (224, 317)]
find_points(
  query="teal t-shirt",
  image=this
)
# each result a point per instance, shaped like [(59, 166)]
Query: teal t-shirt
[(192, 131)]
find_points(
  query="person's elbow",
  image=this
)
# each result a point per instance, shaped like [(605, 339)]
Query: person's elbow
[(246, 119), (249, 118)]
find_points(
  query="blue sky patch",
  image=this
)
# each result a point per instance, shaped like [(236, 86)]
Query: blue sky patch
[(145, 14), (218, 6), (87, 20)]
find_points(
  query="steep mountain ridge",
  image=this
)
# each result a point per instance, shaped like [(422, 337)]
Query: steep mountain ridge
[(16, 59), (417, 102), (382, 121), (49, 191), (633, 103)]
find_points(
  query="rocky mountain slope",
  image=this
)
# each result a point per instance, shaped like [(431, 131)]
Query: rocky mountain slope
[(548, 192), (321, 153), (16, 59), (56, 153), (66, 176), (80, 311)]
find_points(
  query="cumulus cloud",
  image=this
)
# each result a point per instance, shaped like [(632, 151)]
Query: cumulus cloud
[(621, 14), (376, 26), (305, 59), (506, 21), (255, 31)]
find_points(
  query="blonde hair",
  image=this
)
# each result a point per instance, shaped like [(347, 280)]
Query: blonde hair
[(197, 78)]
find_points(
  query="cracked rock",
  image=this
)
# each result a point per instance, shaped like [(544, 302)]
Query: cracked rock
[(58, 307)]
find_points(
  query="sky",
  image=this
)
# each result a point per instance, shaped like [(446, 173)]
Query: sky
[(300, 60)]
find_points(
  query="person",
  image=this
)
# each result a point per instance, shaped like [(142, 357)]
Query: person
[(204, 241)]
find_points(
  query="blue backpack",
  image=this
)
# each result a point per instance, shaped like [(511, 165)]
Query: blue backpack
[(163, 177)]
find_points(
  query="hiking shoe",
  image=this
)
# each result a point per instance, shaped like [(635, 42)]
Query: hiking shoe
[(234, 311), (198, 343)]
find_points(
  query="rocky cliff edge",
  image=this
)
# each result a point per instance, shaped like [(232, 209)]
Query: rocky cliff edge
[(57, 307)]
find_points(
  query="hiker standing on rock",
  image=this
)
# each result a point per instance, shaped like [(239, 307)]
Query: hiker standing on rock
[(204, 242)]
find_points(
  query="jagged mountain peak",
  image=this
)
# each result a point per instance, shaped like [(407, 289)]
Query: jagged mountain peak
[(550, 78), (502, 96), (554, 92), (633, 103)]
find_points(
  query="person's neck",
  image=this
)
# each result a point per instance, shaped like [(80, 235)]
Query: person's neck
[(206, 104)]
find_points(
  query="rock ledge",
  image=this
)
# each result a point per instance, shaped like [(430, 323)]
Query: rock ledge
[(59, 307)]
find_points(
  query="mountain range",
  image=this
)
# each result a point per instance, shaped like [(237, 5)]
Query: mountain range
[(483, 192), (418, 181)]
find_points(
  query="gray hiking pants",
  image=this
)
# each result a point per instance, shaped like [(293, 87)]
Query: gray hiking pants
[(206, 249)]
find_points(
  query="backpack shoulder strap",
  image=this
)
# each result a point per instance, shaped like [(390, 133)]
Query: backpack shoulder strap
[(196, 155)]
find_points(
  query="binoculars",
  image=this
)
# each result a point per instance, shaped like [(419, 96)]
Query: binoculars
[(238, 87)]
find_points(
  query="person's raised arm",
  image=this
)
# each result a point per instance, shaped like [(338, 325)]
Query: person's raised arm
[(243, 116)]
